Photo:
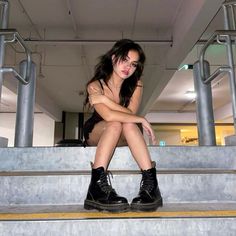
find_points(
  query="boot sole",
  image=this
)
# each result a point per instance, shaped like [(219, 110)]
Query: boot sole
[(147, 206), (91, 205)]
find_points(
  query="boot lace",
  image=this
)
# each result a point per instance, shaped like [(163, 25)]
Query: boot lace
[(147, 182), (105, 182)]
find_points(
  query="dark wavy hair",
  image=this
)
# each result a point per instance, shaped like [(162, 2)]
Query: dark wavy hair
[(104, 68)]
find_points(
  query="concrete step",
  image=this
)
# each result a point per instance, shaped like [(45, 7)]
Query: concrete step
[(122, 227), (171, 219), (78, 158), (71, 188), (43, 190)]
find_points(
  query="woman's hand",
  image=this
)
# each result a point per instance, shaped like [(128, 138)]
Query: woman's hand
[(149, 131), (96, 96)]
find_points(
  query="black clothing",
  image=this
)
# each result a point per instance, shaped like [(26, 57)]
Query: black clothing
[(89, 125), (91, 122)]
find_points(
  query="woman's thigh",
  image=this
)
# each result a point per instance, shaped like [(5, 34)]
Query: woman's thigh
[(96, 133)]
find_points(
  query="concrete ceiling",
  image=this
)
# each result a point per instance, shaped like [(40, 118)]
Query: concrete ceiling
[(67, 36)]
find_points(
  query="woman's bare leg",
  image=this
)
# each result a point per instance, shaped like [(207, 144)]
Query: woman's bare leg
[(149, 196), (105, 136), (137, 145), (101, 195)]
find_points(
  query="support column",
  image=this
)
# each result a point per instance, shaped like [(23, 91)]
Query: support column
[(25, 108), (204, 108)]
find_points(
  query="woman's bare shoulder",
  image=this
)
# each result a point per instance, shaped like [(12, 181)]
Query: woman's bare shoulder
[(94, 86)]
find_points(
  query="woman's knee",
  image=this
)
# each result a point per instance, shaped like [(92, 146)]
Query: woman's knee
[(114, 126), (127, 127)]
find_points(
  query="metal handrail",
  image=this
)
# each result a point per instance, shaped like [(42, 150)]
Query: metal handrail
[(221, 69), (17, 37), (229, 3)]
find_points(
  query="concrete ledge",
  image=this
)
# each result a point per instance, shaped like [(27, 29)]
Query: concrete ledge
[(72, 189), (216, 226), (230, 140), (79, 158)]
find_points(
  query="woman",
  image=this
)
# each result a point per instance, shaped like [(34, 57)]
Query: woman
[(115, 92)]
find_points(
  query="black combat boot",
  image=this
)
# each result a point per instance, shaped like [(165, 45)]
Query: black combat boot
[(149, 197), (102, 196)]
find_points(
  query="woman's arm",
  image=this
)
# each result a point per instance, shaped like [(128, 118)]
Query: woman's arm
[(96, 97), (111, 115), (100, 98), (136, 98)]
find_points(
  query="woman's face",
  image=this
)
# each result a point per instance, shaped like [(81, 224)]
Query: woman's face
[(126, 67)]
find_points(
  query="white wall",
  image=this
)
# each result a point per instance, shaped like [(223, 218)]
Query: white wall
[(43, 129), (171, 117)]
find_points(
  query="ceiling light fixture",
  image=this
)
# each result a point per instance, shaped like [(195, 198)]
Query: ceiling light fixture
[(191, 94)]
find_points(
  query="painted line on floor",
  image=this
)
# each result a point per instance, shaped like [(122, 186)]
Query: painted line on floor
[(101, 215)]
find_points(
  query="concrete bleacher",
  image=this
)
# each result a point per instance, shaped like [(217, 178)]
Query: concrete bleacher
[(43, 189)]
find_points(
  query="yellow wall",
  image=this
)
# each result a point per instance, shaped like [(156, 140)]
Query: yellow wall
[(174, 134)]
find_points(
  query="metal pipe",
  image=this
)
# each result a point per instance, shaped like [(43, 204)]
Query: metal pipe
[(4, 14), (111, 41), (231, 64), (219, 72), (25, 108), (16, 35), (105, 41), (3, 24), (233, 17), (204, 108), (94, 41), (229, 3), (222, 33)]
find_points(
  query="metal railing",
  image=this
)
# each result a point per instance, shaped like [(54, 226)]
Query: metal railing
[(17, 38), (218, 35), (203, 78), (26, 80)]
